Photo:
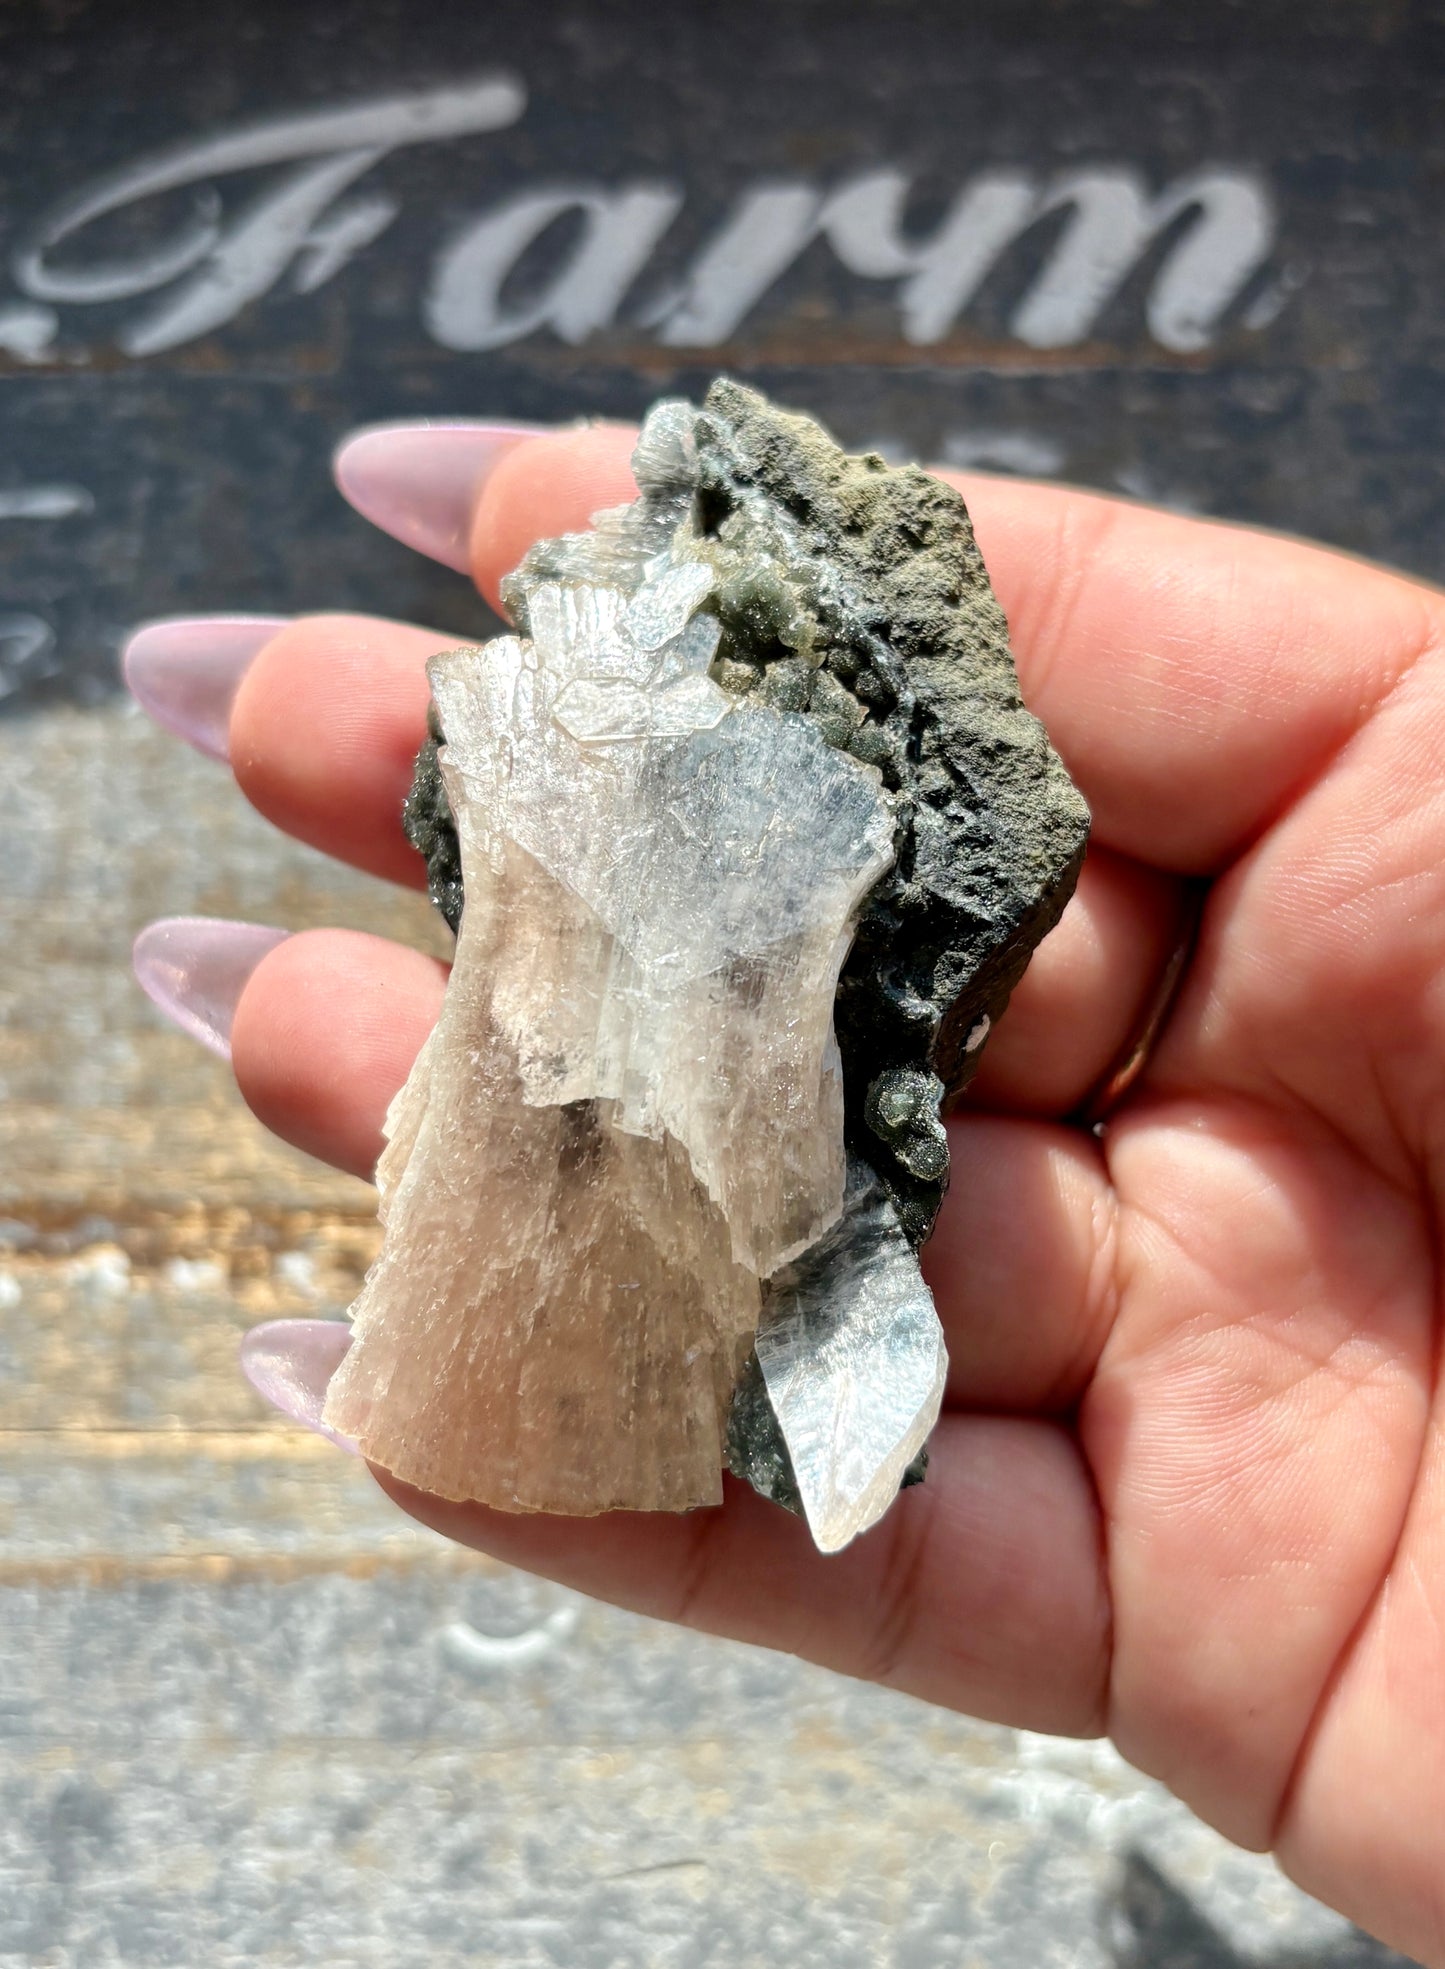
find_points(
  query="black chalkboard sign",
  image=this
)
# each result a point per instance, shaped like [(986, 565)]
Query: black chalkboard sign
[(1192, 253)]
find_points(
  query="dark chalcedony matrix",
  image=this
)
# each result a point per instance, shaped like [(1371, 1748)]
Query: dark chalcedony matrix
[(839, 592)]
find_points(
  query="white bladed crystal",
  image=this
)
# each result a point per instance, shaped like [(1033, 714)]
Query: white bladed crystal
[(666, 453), (592, 710), (581, 632), (690, 651), (854, 1362), (663, 606)]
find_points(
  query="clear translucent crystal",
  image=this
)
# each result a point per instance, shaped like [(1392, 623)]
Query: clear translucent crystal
[(665, 604), (853, 1358)]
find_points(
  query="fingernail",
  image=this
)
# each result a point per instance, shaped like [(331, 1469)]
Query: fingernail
[(420, 482), (184, 671), (195, 969), (290, 1364)]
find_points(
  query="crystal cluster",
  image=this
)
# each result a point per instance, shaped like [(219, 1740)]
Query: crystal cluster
[(746, 837)]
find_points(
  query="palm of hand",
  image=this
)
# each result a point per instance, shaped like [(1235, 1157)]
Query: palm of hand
[(1190, 1487)]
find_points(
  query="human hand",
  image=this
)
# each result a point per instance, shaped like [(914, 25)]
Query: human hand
[(1189, 1486)]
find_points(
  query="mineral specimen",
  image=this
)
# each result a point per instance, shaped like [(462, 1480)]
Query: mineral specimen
[(746, 836)]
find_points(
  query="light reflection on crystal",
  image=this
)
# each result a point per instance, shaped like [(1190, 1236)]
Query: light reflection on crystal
[(853, 1357)]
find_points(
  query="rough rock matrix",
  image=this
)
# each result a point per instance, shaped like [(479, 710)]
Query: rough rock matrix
[(755, 838)]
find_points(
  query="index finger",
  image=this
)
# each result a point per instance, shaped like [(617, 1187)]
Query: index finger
[(1195, 677)]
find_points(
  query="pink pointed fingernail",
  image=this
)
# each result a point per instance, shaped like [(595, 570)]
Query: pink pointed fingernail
[(290, 1363), (185, 671), (195, 969), (420, 482)]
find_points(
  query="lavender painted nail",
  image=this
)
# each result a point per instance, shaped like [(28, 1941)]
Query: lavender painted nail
[(184, 671), (290, 1363), (195, 968), (419, 482)]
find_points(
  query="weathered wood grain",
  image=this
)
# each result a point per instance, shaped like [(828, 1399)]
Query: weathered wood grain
[(343, 1769)]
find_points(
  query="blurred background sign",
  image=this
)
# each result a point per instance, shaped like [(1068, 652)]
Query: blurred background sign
[(1189, 253)]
